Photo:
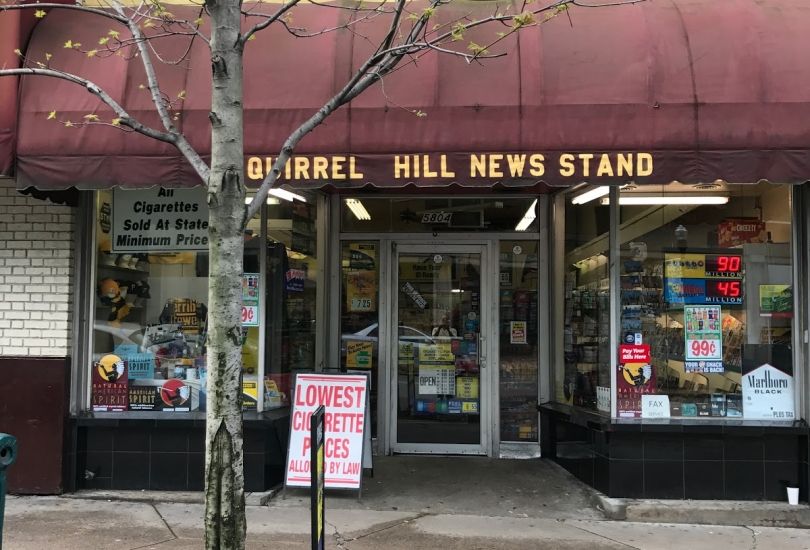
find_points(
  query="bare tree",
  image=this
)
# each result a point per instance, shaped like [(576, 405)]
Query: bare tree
[(412, 31)]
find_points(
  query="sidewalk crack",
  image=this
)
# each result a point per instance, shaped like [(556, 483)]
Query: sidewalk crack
[(341, 540), (168, 527), (604, 537), (754, 540)]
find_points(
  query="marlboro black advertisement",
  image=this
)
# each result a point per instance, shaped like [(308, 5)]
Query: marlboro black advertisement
[(767, 382)]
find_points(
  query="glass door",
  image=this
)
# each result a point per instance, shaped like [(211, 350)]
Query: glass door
[(439, 352)]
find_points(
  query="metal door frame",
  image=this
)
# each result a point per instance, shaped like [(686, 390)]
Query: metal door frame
[(487, 382)]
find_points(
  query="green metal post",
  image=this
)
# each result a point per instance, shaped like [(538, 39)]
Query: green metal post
[(8, 454)]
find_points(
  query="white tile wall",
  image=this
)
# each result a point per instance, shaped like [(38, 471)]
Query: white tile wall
[(36, 270)]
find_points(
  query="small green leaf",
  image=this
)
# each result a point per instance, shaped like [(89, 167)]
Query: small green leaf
[(103, 40), (523, 19), (39, 14), (91, 53), (51, 115), (476, 49), (91, 118), (113, 33)]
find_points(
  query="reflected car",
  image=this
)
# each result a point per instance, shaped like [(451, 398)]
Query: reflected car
[(108, 337), (371, 334)]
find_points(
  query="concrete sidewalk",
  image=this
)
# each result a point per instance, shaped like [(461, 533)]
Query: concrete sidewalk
[(37, 523), (413, 503)]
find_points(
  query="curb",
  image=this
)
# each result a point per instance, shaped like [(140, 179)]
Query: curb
[(704, 512), (165, 497), (612, 508), (720, 512)]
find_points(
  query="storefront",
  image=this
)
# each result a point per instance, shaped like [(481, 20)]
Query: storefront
[(680, 340), (512, 271)]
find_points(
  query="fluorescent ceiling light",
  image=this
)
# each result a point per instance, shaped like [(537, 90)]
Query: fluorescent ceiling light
[(588, 196), (270, 200), (528, 218), (358, 209), (456, 290), (669, 199), (286, 195)]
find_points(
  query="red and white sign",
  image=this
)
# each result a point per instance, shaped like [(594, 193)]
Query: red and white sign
[(250, 316), (344, 397), (736, 231), (629, 353), (704, 349)]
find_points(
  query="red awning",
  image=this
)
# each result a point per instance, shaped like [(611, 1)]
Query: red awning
[(15, 28), (709, 90)]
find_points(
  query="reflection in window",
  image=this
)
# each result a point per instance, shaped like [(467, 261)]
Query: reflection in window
[(583, 378), (150, 312), (359, 313), (518, 340), (291, 295), (706, 293)]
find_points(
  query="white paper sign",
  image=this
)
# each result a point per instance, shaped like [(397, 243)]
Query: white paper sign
[(654, 406), (603, 398), (437, 380), (344, 397), (159, 220), (767, 394)]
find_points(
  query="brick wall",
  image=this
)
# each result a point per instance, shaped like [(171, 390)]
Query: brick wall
[(36, 269)]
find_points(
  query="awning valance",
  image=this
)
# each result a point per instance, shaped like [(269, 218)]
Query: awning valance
[(687, 90)]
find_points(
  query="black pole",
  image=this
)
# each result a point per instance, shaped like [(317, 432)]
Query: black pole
[(8, 454), (316, 478)]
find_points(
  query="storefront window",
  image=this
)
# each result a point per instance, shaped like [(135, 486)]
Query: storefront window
[(518, 336), (359, 313), (706, 302), (582, 378), (292, 271), (150, 314)]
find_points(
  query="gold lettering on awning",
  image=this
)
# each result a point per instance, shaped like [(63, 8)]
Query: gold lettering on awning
[(575, 166)]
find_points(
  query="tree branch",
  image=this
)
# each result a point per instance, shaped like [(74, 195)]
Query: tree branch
[(342, 97), (121, 113), (44, 6), (269, 21), (383, 61), (180, 142)]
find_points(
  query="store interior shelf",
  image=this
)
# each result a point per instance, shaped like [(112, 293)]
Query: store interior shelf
[(121, 269)]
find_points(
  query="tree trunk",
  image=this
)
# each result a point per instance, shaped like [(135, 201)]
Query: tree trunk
[(224, 464)]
